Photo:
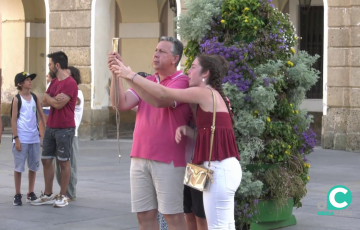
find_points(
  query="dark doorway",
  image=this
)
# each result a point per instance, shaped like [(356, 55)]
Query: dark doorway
[(312, 33)]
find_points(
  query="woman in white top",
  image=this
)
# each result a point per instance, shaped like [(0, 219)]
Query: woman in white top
[(79, 108)]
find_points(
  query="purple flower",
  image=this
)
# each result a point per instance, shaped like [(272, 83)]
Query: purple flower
[(266, 82), (272, 6)]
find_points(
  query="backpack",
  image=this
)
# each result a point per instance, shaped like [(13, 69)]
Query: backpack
[(19, 107)]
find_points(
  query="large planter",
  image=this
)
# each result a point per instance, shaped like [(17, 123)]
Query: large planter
[(270, 216)]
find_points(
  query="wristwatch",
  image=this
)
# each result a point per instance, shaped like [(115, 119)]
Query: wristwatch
[(16, 137)]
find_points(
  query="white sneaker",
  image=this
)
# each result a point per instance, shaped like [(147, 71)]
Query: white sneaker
[(44, 199), (61, 201)]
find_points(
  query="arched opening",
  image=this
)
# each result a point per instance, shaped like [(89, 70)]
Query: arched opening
[(167, 20), (23, 46)]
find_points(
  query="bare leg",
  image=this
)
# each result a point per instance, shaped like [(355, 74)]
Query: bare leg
[(32, 176), (191, 221), (147, 220), (65, 176), (201, 223), (176, 221), (48, 175), (17, 179)]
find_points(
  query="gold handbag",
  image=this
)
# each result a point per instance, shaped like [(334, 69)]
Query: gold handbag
[(197, 176)]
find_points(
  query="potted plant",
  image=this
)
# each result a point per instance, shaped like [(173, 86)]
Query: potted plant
[(266, 84)]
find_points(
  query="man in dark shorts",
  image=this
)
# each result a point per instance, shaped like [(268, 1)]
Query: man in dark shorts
[(61, 97)]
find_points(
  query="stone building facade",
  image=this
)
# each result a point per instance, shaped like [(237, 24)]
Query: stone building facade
[(30, 29), (341, 124)]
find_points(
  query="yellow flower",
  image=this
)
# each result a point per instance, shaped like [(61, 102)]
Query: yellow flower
[(296, 38), (297, 112), (293, 111), (222, 21), (293, 50), (305, 164), (246, 9), (308, 178), (268, 119), (289, 146), (308, 165), (256, 112), (255, 27), (283, 145), (290, 105), (290, 63), (270, 156), (287, 152), (246, 20)]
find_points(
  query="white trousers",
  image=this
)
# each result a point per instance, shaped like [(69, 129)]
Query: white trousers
[(219, 199)]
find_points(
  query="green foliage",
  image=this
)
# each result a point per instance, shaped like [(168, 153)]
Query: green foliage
[(250, 187), (262, 98), (190, 51), (195, 24), (242, 17)]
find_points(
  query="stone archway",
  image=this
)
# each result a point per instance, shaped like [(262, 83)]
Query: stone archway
[(23, 46)]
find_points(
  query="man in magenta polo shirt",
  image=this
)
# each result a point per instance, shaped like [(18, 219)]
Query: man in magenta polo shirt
[(157, 161)]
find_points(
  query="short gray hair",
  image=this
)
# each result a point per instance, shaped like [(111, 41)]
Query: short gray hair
[(177, 48)]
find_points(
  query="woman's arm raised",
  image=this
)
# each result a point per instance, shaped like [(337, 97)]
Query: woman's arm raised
[(190, 95)]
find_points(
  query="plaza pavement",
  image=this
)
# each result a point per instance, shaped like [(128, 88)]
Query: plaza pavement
[(104, 191)]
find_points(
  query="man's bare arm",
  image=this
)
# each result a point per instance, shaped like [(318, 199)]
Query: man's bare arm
[(57, 104)]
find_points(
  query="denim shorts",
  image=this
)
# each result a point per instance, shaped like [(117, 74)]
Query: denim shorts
[(31, 152), (58, 143)]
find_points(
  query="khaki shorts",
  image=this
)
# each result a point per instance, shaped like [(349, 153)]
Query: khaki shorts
[(156, 185)]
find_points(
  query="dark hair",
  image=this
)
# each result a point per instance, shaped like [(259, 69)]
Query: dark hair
[(52, 75), (143, 74), (218, 67), (75, 73), (224, 65), (19, 87), (176, 49), (59, 57)]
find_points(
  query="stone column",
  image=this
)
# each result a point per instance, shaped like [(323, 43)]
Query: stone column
[(70, 30), (341, 125)]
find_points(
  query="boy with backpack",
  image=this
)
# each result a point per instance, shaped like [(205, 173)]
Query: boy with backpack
[(26, 141)]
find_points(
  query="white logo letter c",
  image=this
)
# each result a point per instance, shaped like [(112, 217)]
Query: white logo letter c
[(332, 198)]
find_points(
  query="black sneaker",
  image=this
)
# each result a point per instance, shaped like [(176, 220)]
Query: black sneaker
[(31, 197), (17, 199)]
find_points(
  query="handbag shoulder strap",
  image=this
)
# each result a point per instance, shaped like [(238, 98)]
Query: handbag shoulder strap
[(213, 126)]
